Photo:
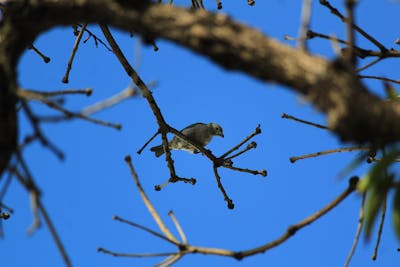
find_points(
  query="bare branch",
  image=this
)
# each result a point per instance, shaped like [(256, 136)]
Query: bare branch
[(33, 94), (45, 58), (74, 49), (228, 201), (358, 232), (178, 226), (296, 227), (144, 228), (379, 78), (134, 255), (256, 131), (113, 100), (305, 24), (347, 20), (330, 151), (148, 204), (67, 114), (290, 117), (31, 187), (38, 132)]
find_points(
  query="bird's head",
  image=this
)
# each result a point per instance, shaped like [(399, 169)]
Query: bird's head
[(217, 129)]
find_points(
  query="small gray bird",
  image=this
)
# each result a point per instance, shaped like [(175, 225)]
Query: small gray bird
[(199, 133)]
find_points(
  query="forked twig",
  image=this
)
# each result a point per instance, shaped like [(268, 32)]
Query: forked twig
[(256, 131), (358, 29), (31, 187), (164, 128), (67, 114), (183, 248), (148, 204), (38, 132)]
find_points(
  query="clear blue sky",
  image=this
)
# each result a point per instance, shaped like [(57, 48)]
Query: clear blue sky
[(83, 192)]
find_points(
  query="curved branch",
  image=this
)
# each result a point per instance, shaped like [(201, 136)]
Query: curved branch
[(353, 113)]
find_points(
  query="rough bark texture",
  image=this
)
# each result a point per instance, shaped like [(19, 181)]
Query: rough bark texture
[(353, 113)]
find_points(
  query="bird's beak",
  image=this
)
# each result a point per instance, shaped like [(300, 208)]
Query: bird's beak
[(221, 134)]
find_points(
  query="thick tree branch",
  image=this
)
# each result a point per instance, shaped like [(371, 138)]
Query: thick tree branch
[(352, 112)]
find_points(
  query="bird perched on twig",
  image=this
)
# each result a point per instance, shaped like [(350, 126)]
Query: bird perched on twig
[(199, 133)]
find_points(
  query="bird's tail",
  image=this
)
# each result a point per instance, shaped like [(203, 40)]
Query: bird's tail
[(158, 150)]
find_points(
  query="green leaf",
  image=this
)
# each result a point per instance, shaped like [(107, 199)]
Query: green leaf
[(377, 171), (377, 183), (376, 195), (396, 212)]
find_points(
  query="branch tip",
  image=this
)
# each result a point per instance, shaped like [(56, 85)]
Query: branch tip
[(353, 181), (128, 159), (258, 129), (263, 173), (251, 2)]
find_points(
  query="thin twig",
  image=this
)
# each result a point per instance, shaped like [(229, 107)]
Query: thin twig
[(379, 78), (5, 186), (381, 223), (144, 228), (29, 94), (178, 226), (221, 188), (358, 232), (305, 24), (290, 117), (256, 131), (31, 187), (148, 142), (134, 255), (361, 31), (370, 64), (73, 53), (296, 227), (3, 192), (148, 204), (113, 100), (96, 39), (67, 113), (170, 260), (351, 58), (255, 172), (252, 145), (38, 132), (325, 152), (45, 58), (54, 234)]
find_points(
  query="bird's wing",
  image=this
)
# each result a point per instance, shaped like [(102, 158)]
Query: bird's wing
[(191, 126)]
